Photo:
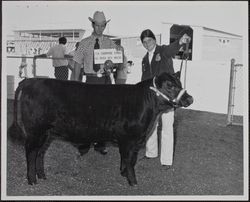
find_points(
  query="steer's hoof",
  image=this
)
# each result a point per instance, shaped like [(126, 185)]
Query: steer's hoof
[(41, 176), (32, 182), (132, 183), (83, 151), (124, 173), (166, 167)]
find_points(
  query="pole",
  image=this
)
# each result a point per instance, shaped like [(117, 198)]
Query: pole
[(185, 74), (230, 106), (186, 59), (34, 68)]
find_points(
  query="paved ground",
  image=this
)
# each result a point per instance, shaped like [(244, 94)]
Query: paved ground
[(208, 161)]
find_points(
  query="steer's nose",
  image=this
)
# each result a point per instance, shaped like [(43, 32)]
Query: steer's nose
[(190, 100)]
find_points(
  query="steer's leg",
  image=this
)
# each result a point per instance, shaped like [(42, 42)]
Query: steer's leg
[(40, 157), (83, 148), (132, 157), (31, 150), (128, 153), (123, 169)]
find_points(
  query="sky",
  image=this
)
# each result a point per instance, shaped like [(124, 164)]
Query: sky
[(128, 18)]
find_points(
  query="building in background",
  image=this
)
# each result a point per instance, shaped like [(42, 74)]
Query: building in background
[(38, 41), (207, 44), (208, 65), (32, 42)]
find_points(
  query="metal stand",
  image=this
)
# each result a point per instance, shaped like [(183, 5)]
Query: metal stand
[(232, 87)]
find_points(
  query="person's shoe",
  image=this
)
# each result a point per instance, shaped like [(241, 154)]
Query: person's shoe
[(102, 151), (166, 167), (83, 149), (146, 158)]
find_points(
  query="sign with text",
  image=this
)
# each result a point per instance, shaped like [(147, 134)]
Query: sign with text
[(101, 55)]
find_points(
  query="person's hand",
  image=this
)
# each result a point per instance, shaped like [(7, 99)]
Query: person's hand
[(184, 39)]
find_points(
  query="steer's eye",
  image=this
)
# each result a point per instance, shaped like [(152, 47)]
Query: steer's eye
[(170, 85)]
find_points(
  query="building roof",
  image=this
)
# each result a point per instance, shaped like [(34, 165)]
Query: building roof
[(47, 30), (208, 29), (87, 32), (222, 32)]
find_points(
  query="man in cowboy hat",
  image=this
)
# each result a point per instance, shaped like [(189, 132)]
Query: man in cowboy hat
[(95, 73)]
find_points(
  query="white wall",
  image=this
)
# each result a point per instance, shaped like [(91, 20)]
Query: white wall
[(197, 43), (221, 48), (165, 33), (208, 83)]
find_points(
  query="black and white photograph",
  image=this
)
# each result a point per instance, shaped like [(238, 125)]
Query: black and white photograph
[(124, 100)]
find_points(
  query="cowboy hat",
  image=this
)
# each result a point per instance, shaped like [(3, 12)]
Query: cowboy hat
[(99, 17)]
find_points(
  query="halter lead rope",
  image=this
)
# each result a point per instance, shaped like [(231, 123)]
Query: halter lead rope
[(185, 52)]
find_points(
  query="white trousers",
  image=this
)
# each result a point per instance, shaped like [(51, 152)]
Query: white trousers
[(167, 140)]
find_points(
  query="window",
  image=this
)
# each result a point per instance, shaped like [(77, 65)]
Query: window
[(175, 33), (224, 41)]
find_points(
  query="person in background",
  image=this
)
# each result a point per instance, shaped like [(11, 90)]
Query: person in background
[(121, 74), (95, 73), (71, 53), (60, 65), (157, 60), (71, 63)]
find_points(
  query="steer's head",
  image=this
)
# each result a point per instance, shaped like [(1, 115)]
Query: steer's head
[(108, 67), (169, 90)]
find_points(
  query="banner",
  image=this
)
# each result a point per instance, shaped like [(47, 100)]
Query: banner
[(101, 55)]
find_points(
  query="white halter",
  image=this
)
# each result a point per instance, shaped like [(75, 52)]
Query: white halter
[(158, 93)]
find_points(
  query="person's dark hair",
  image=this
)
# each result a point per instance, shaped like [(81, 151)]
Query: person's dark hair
[(62, 40), (147, 33)]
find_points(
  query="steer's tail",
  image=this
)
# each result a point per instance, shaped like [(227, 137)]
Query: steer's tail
[(15, 132)]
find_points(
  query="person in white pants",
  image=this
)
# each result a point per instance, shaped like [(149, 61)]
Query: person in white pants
[(157, 60), (166, 141)]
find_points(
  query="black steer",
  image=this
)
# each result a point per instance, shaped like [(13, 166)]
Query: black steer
[(85, 113)]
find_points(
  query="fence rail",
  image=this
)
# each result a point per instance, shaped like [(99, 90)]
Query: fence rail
[(32, 57), (23, 65)]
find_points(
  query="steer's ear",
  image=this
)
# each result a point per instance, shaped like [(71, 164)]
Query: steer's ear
[(177, 75)]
